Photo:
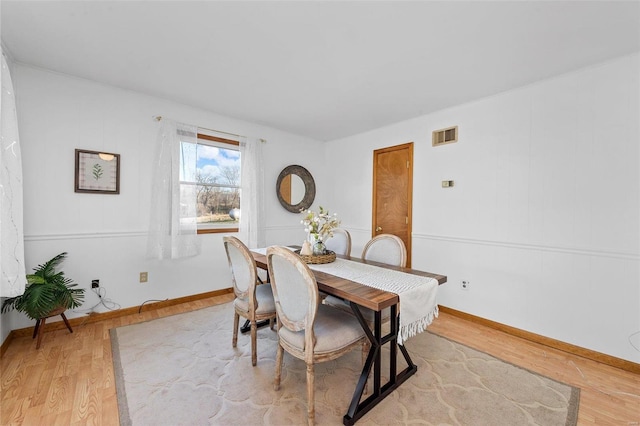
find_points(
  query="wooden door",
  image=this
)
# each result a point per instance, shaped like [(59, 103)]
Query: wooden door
[(392, 193)]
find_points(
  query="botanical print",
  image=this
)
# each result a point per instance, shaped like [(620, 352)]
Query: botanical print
[(97, 171)]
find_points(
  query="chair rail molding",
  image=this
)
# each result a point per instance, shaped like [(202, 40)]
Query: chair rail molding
[(85, 235), (526, 246), (283, 227)]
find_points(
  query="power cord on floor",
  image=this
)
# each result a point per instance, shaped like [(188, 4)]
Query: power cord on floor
[(150, 300), (597, 388), (589, 383)]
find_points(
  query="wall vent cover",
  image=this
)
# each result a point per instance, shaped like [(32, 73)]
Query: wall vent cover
[(444, 136)]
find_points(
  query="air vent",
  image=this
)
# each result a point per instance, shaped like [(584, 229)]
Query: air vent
[(445, 136)]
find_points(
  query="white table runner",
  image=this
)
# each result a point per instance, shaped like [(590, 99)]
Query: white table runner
[(418, 305)]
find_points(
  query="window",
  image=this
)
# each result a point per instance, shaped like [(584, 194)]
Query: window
[(211, 168)]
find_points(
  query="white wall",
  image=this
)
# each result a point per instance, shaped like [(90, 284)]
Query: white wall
[(544, 216), (105, 235)]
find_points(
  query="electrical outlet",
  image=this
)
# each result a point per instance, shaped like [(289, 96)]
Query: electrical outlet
[(144, 276), (95, 283), (465, 284)]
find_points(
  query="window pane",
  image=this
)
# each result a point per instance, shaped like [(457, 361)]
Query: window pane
[(210, 170), (218, 165), (218, 207)]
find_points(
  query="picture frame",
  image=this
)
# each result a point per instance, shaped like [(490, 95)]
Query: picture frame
[(97, 172)]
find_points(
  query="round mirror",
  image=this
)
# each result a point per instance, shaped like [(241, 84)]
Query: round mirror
[(292, 189), (295, 188)]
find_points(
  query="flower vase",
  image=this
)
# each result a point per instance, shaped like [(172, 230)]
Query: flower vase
[(319, 248)]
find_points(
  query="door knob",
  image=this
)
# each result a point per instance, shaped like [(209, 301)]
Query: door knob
[(378, 228)]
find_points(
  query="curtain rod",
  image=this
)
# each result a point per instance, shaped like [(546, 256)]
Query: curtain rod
[(159, 117)]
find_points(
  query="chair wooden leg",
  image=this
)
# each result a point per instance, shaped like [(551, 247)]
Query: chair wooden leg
[(311, 406), (35, 329), (279, 357), (64, 318), (40, 332), (236, 323), (254, 343)]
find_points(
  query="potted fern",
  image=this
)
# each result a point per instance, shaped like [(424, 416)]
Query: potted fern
[(47, 293)]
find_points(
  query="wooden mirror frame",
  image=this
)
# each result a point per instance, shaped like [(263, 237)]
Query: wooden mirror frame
[(309, 188)]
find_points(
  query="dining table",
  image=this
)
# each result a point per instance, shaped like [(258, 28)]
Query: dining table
[(359, 296)]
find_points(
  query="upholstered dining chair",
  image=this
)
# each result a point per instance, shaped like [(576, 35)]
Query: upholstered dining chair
[(340, 243), (386, 248), (253, 302), (307, 330)]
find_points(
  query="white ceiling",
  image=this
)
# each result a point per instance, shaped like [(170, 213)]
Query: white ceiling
[(325, 70)]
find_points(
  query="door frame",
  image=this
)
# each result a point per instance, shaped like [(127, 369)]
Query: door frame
[(376, 152)]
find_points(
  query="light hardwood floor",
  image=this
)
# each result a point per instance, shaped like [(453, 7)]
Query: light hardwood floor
[(70, 380)]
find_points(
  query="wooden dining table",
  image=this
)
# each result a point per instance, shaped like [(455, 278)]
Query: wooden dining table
[(359, 295)]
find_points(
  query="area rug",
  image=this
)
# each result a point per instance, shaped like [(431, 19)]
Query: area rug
[(182, 370)]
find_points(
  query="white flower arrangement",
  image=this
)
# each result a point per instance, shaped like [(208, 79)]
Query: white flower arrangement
[(320, 225)]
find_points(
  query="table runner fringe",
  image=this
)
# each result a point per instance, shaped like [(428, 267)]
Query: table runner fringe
[(416, 327)]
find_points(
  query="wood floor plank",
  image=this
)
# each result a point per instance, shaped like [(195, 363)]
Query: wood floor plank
[(110, 415), (13, 380), (56, 419), (30, 387), (60, 396), (32, 415), (14, 410), (86, 403), (70, 379)]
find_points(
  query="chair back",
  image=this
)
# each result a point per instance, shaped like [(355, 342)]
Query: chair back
[(340, 243), (243, 269), (295, 290), (386, 248)]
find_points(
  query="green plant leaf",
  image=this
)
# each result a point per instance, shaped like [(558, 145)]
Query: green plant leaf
[(46, 290)]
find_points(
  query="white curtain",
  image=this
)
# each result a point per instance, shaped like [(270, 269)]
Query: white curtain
[(173, 231), (252, 193), (12, 270)]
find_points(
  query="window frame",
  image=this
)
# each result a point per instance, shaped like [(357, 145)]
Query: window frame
[(206, 137)]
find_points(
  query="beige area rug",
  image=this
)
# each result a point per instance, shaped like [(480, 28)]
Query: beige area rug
[(182, 370)]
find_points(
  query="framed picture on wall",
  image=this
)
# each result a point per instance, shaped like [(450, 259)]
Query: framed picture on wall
[(97, 172)]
